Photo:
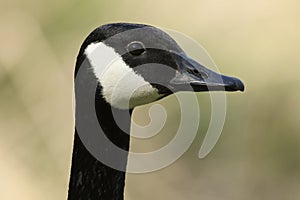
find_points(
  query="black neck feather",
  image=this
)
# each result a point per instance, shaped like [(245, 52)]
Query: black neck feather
[(90, 178)]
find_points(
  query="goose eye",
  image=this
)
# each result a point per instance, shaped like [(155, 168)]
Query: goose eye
[(136, 48)]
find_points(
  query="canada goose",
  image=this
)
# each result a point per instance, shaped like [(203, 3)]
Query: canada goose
[(122, 48)]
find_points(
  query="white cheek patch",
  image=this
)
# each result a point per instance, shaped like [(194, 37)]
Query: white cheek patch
[(121, 86)]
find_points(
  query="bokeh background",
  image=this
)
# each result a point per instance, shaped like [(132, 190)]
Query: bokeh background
[(258, 154)]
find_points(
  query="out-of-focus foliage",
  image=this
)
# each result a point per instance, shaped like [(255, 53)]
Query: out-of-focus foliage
[(258, 154)]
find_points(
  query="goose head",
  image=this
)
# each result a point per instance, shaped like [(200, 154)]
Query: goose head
[(136, 64)]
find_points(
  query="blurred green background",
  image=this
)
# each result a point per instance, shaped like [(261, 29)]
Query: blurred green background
[(258, 154)]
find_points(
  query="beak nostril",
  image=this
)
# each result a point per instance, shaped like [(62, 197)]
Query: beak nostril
[(195, 71), (198, 73), (204, 75)]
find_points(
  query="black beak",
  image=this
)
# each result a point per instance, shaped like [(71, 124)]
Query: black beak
[(192, 75)]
